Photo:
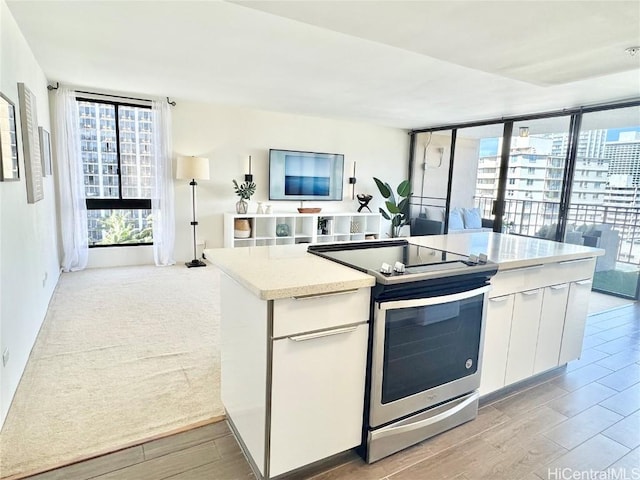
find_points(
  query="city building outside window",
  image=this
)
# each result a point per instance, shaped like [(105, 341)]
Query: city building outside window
[(116, 146)]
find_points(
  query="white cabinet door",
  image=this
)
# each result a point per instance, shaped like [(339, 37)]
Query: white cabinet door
[(524, 335), (317, 396), (575, 319), (554, 305), (496, 343)]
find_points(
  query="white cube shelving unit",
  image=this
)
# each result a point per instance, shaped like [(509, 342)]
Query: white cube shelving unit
[(303, 228)]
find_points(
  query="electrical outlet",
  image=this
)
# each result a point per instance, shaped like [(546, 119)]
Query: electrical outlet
[(5, 357)]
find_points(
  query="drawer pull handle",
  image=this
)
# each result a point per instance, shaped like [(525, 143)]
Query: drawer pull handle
[(499, 299), (584, 282), (530, 267), (327, 294), (529, 293), (324, 333), (559, 287), (564, 262)]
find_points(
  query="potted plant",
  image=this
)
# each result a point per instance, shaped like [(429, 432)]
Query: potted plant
[(398, 213), (244, 191)]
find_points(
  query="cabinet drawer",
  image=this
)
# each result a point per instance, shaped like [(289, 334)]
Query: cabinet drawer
[(306, 314), (506, 282), (571, 270)]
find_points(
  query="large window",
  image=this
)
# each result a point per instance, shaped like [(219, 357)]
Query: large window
[(116, 144)]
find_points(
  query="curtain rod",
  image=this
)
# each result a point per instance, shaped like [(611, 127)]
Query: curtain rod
[(51, 87)]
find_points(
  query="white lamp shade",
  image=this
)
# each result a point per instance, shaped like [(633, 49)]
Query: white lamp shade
[(192, 168)]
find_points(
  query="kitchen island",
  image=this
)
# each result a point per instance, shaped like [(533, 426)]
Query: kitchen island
[(295, 337)]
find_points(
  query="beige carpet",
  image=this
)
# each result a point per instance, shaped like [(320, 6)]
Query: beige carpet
[(124, 354)]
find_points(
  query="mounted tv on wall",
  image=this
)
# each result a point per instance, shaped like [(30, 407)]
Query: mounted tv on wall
[(305, 175)]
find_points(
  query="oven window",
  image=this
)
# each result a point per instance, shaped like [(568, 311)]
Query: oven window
[(429, 346)]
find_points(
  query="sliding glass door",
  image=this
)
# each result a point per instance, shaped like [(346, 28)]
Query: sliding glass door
[(604, 206)]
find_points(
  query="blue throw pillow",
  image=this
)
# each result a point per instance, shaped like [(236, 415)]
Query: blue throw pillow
[(471, 217), (455, 220)]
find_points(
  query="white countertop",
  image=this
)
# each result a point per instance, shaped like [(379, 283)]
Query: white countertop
[(508, 251), (285, 271)]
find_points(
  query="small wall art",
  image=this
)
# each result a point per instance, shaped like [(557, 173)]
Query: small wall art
[(9, 166), (45, 151), (30, 144)]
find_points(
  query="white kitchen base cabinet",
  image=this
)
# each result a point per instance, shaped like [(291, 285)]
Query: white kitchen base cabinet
[(535, 320), (317, 393), (554, 307), (574, 324), (496, 343), (524, 335), (293, 374)]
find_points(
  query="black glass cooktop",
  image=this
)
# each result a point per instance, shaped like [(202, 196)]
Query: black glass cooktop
[(369, 256)]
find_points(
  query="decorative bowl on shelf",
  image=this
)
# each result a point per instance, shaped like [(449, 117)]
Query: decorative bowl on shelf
[(309, 209)]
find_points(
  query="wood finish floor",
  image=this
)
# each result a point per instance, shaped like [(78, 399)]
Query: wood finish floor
[(586, 418)]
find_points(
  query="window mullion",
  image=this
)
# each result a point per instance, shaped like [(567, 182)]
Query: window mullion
[(119, 169)]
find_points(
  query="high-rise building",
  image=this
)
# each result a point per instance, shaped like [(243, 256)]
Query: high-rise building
[(108, 132)]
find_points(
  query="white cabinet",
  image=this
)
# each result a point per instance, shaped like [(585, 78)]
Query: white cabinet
[(551, 326), (524, 335), (535, 320), (291, 228), (293, 374), (574, 324), (496, 343), (317, 396)]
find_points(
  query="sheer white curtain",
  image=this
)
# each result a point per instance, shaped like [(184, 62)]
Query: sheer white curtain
[(73, 209), (162, 202)]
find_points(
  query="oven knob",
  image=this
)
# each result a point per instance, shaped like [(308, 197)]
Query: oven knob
[(473, 258), (398, 267), (482, 258), (386, 269)]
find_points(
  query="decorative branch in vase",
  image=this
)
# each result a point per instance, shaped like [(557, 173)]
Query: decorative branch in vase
[(244, 191)]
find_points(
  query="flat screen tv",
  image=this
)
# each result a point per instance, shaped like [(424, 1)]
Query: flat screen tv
[(305, 175)]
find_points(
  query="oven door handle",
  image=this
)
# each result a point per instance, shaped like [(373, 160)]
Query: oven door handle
[(423, 302), (431, 420)]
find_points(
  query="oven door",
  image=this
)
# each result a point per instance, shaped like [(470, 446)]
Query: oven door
[(425, 351)]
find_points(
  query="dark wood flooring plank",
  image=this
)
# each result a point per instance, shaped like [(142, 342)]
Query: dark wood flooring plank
[(95, 466), (162, 446), (582, 427), (531, 398), (581, 399), (623, 378), (582, 376), (626, 432), (625, 402), (597, 453), (167, 465), (231, 467)]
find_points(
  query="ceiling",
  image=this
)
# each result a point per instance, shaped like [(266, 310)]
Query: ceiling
[(407, 64)]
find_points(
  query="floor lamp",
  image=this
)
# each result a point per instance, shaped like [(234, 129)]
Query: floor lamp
[(192, 168)]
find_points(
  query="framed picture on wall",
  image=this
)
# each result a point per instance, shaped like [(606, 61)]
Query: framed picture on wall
[(9, 166), (30, 144), (45, 151)]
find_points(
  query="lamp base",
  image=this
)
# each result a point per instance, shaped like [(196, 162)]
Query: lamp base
[(195, 263)]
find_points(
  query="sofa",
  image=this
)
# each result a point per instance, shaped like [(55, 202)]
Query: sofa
[(461, 220)]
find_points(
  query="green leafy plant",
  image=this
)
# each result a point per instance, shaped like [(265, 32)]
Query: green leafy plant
[(397, 213), (244, 190)]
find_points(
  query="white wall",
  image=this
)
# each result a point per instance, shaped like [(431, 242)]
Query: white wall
[(228, 135), (432, 181), (29, 264)]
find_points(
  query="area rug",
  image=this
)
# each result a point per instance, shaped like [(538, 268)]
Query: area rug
[(124, 354)]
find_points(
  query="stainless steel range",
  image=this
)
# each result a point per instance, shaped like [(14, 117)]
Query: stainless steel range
[(428, 309)]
